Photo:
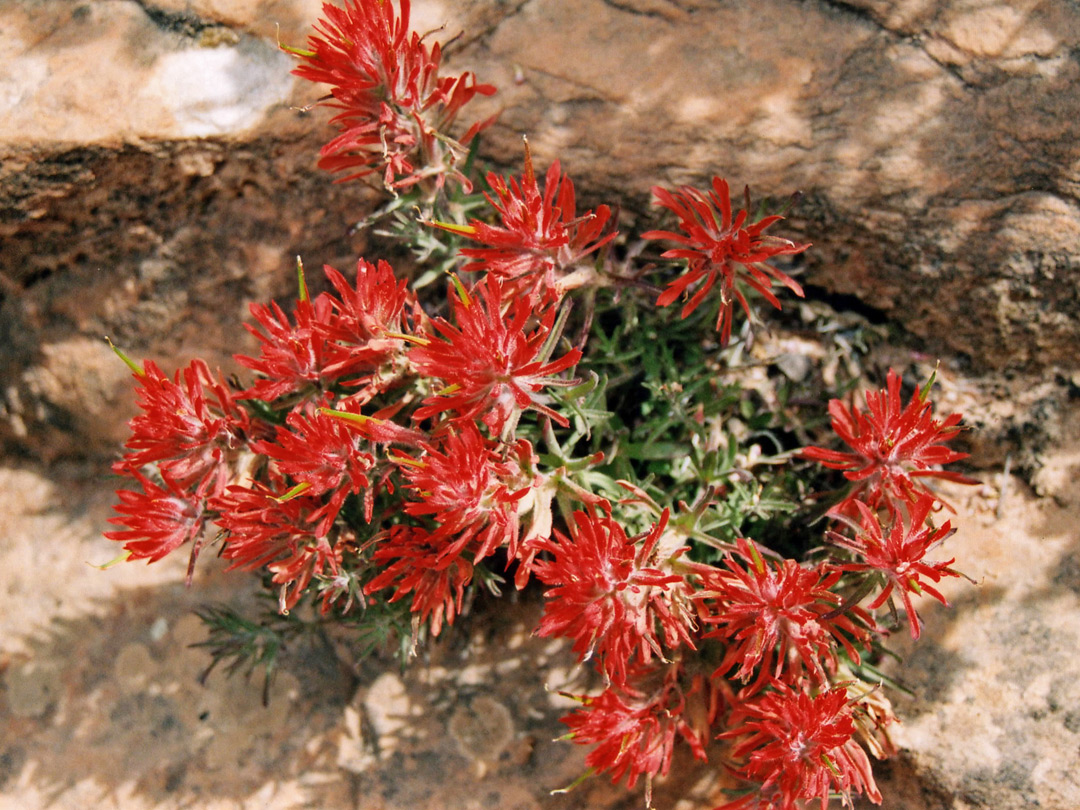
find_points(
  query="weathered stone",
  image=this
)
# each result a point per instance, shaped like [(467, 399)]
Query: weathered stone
[(932, 141), (996, 681), (152, 197)]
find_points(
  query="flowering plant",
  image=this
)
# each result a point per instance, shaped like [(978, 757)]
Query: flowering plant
[(557, 424)]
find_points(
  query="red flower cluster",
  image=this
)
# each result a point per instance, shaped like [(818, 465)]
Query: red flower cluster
[(490, 360), (780, 619), (799, 747), (635, 729), (898, 554), (893, 446), (188, 426), (192, 441), (382, 453), (721, 248), (886, 517), (361, 333), (396, 111), (611, 595), (415, 565), (274, 466), (539, 248)]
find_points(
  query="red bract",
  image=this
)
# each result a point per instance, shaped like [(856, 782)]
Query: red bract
[(800, 748), (372, 314), (265, 530), (294, 358), (396, 111), (720, 248), (899, 554), (492, 365), (610, 596), (634, 731), (779, 616), (416, 566), (893, 446), (160, 518), (324, 454), (537, 248), (181, 429), (371, 321), (462, 485)]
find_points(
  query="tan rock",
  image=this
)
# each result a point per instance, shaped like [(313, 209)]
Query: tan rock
[(153, 196)]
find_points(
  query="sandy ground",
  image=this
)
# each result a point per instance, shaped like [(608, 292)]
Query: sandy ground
[(102, 705)]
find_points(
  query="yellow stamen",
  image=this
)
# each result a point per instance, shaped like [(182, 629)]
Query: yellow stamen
[(419, 341), (299, 489), (358, 418), (304, 294), (460, 288), (115, 561), (127, 360), (759, 564), (464, 230)]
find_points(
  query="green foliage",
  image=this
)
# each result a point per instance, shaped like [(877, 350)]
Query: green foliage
[(246, 644)]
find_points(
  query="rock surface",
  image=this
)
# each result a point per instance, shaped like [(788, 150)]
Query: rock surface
[(153, 197)]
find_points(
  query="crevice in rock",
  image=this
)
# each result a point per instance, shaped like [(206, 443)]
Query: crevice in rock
[(846, 302), (465, 42), (915, 39), (861, 13), (597, 93), (953, 70), (630, 8), (185, 23)]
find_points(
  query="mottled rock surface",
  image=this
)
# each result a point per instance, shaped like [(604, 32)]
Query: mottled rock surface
[(151, 197)]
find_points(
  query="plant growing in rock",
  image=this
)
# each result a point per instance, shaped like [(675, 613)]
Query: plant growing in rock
[(548, 420)]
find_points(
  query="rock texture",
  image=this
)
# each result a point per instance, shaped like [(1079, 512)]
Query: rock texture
[(151, 197)]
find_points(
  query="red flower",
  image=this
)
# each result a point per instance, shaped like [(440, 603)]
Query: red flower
[(898, 555), (494, 369), (720, 248), (294, 359), (267, 530), (635, 731), (182, 429), (800, 748), (609, 595), (160, 518), (371, 322), (373, 315), (462, 485), (777, 615), (418, 568), (894, 445), (541, 239), (395, 108), (324, 454)]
